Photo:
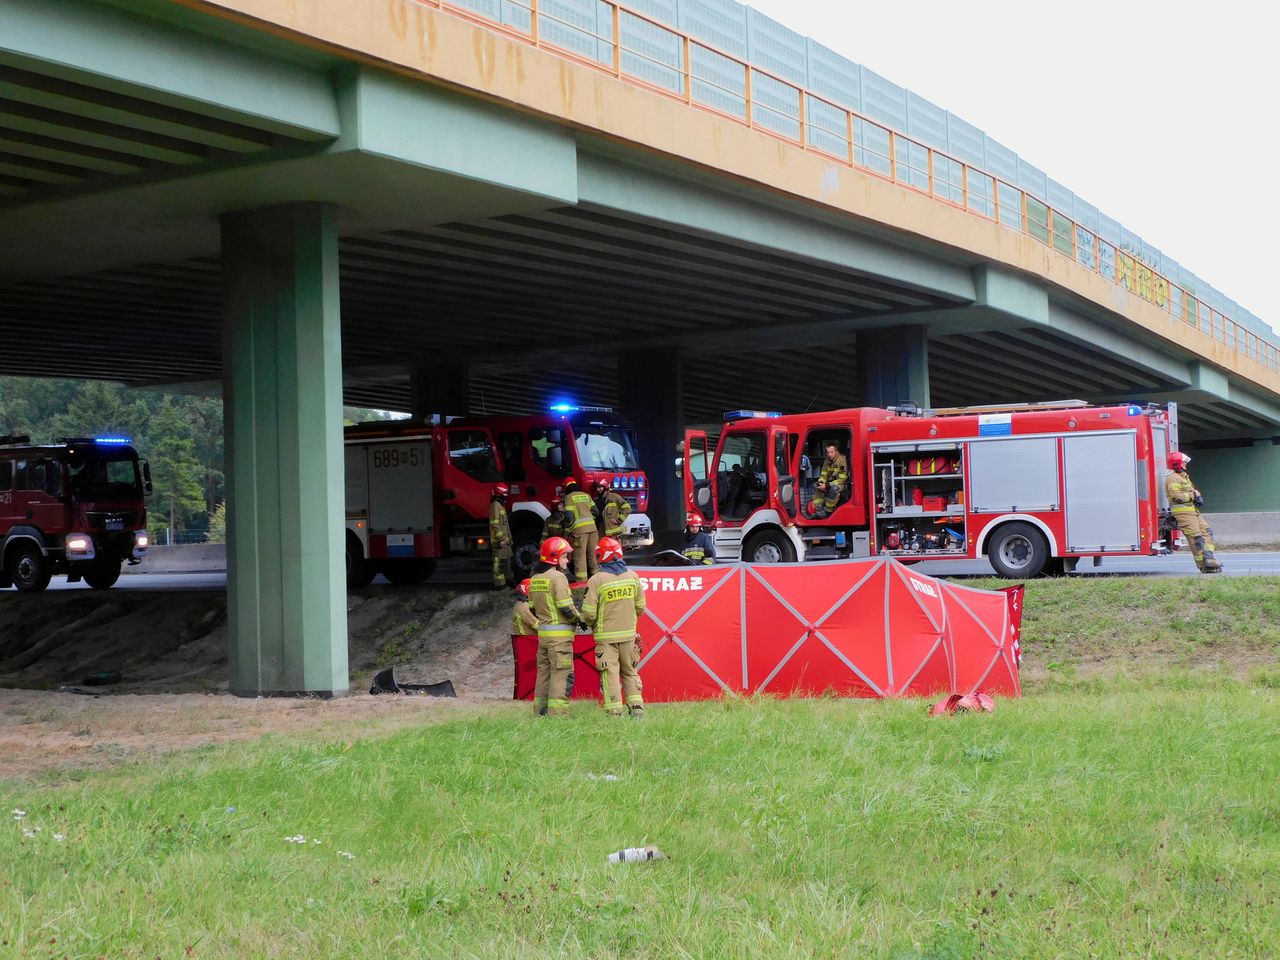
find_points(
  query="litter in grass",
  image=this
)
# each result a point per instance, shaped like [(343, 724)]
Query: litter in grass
[(608, 777), (637, 855)]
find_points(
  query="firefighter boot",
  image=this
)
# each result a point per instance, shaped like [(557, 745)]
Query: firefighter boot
[(1197, 552), (1211, 563)]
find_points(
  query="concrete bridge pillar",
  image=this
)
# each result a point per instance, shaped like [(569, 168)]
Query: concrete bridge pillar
[(651, 394), (439, 389), (893, 365), (282, 371)]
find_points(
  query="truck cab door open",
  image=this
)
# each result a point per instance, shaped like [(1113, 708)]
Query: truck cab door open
[(699, 492), (781, 478)]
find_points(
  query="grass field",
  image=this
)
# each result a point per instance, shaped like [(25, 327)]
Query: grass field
[(1128, 816)]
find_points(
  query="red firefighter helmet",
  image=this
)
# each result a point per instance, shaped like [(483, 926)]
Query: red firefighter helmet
[(1178, 460), (500, 490), (557, 503), (553, 548), (609, 548), (602, 486), (693, 520), (570, 485), (522, 589)]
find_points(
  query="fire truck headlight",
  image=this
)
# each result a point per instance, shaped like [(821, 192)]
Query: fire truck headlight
[(617, 482), (80, 546), (640, 482)]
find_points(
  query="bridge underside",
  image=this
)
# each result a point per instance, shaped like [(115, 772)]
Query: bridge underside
[(170, 184)]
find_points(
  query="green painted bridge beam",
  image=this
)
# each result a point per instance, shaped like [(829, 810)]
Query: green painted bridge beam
[(282, 360), (131, 53)]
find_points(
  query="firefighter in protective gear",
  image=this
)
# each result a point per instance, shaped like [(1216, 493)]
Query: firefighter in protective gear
[(500, 536), (1184, 501), (612, 508), (615, 600), (698, 546), (523, 622), (581, 515), (833, 480), (553, 606), (554, 525)]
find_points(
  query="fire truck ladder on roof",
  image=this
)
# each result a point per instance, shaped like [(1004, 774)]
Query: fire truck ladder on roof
[(1006, 408)]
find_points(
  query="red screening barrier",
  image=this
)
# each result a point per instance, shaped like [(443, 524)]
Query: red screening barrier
[(856, 628)]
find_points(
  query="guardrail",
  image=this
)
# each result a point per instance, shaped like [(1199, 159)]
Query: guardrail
[(635, 47)]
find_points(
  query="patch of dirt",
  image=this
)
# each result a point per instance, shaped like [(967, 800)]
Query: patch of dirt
[(171, 652), (177, 642), (43, 732)]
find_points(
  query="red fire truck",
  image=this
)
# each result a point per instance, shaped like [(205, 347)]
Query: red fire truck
[(1032, 487), (419, 491), (75, 507)]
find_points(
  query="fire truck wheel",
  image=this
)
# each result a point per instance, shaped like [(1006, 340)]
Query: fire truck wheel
[(769, 546), (102, 574), (360, 572), (524, 555), (406, 572), (28, 568), (1018, 550)]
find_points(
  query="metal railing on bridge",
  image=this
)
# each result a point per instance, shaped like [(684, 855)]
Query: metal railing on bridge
[(669, 61)]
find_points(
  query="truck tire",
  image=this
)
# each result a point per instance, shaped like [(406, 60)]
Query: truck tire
[(102, 574), (769, 546), (524, 552), (360, 571), (403, 573), (28, 568), (1018, 551)]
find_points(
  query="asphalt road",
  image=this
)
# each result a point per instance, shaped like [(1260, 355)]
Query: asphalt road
[(453, 574)]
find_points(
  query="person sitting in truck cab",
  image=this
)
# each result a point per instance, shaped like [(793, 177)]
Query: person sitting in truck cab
[(699, 547), (833, 481)]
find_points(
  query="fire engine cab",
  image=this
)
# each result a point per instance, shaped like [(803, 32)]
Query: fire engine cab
[(1032, 487), (75, 507), (418, 491)]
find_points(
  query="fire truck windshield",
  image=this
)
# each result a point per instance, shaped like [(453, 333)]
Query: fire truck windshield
[(105, 475), (605, 445)]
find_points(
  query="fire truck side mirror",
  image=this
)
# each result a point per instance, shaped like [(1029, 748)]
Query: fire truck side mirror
[(703, 499), (146, 478), (679, 468)]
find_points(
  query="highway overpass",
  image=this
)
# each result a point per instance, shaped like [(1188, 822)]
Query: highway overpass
[(412, 205)]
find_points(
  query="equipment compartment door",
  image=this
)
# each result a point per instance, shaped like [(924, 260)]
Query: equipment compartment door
[(1101, 473), (400, 491), (1013, 476)]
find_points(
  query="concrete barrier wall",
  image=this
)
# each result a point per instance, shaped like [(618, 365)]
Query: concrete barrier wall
[(183, 558), (1234, 528)]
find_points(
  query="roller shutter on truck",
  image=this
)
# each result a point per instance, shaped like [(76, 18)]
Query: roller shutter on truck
[(394, 481), (1103, 486)]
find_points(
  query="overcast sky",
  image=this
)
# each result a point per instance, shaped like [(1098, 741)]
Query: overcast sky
[(1163, 115)]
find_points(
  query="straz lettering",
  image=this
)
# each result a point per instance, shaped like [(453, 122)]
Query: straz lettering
[(921, 587), (673, 584), (619, 590)]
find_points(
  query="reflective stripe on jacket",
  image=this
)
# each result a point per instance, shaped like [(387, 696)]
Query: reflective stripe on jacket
[(553, 603), (616, 511), (613, 605), (835, 471), (523, 622), (580, 510), (499, 525), (1180, 491)]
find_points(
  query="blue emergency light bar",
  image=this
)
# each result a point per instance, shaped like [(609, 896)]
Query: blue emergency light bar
[(113, 441), (750, 414), (575, 408)]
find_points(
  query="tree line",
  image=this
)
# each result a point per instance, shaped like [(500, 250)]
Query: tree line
[(180, 434)]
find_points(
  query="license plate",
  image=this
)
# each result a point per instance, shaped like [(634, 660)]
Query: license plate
[(115, 524)]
